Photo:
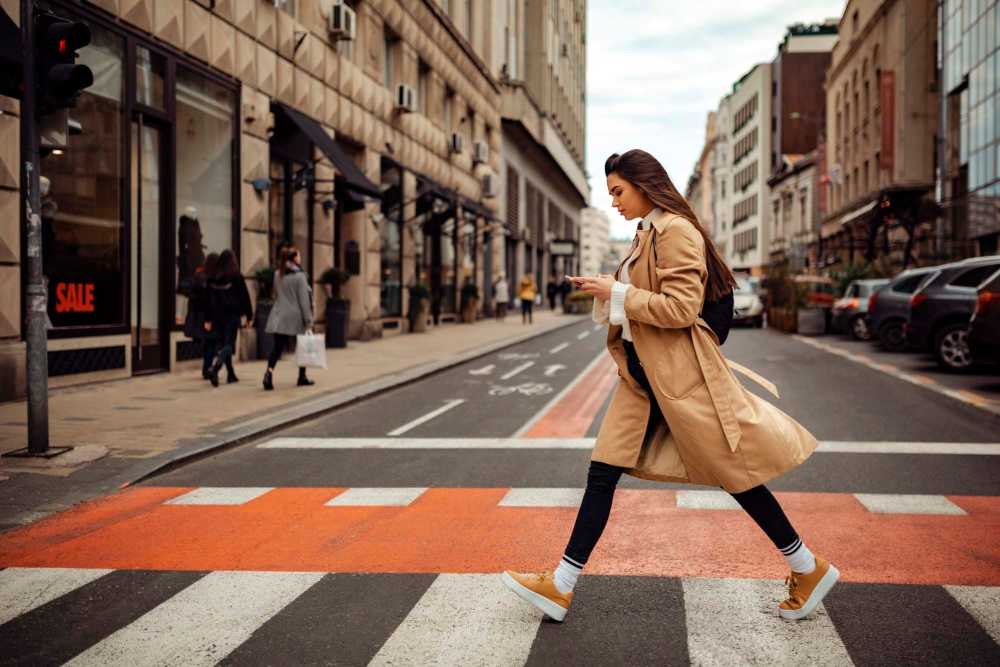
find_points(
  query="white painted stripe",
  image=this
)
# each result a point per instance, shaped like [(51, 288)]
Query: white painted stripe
[(582, 335), (542, 498), (528, 425), (957, 448), (220, 495), (983, 603), (428, 443), (426, 418), (25, 588), (706, 500), (901, 503), (524, 366), (203, 623), (463, 619), (597, 327), (736, 622), (559, 348), (368, 496)]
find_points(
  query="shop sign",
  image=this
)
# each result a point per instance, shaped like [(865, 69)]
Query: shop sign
[(562, 248), (75, 297)]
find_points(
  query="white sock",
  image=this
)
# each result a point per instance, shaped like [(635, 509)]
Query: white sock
[(799, 558), (566, 575)]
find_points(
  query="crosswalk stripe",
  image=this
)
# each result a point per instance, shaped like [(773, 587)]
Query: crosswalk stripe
[(25, 588), (396, 496), (903, 503), (220, 495), (982, 603), (463, 620), (829, 447), (542, 498), (706, 500), (736, 622), (203, 623)]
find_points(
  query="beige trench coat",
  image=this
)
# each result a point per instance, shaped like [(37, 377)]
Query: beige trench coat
[(716, 432)]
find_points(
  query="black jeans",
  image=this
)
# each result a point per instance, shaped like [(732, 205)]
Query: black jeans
[(281, 343), (602, 479), (227, 344), (526, 307)]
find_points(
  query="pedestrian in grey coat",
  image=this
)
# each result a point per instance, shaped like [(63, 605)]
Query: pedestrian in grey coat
[(291, 314)]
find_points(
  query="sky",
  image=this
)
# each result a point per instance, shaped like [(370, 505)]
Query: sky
[(655, 68)]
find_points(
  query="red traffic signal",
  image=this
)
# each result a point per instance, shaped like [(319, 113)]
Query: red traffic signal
[(59, 78)]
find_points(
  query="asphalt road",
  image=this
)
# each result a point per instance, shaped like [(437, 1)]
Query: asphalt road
[(374, 534)]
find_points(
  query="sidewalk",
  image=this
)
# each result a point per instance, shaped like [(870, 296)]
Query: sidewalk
[(136, 426)]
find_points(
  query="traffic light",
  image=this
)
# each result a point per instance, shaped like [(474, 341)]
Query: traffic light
[(59, 79)]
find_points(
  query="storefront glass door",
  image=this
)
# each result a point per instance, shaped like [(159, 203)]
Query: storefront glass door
[(148, 324)]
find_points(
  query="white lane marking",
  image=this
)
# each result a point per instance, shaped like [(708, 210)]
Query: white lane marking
[(559, 348), (220, 495), (958, 448), (485, 370), (983, 603), (942, 448), (902, 503), (553, 369), (388, 496), (426, 418), (203, 623), (582, 335), (528, 425), (526, 365), (542, 498), (25, 588), (706, 500), (428, 443), (967, 397), (736, 622), (597, 327), (463, 619)]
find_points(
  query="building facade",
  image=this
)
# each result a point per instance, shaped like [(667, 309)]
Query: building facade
[(243, 124), (720, 171), (595, 240), (882, 119), (793, 213), (969, 148), (698, 191)]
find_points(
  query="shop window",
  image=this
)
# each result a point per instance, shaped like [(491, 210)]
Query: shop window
[(81, 188), (391, 233), (204, 132), (149, 68)]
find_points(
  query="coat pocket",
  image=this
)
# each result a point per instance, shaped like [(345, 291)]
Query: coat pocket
[(676, 373)]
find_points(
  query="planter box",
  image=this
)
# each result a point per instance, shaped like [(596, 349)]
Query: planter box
[(811, 321)]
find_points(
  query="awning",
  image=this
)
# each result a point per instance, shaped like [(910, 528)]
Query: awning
[(858, 212), (354, 178)]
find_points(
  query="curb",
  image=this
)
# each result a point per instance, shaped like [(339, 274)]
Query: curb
[(308, 409)]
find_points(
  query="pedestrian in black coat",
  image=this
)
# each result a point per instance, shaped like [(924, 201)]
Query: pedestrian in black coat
[(197, 312), (229, 309)]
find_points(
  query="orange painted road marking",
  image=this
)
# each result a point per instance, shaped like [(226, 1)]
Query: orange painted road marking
[(466, 530), (573, 414)]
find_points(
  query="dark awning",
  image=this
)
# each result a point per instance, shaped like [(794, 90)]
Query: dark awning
[(354, 178)]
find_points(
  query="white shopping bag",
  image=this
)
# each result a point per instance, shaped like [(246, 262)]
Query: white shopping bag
[(310, 351)]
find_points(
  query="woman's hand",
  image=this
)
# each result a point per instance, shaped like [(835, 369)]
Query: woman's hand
[(208, 326), (597, 286)]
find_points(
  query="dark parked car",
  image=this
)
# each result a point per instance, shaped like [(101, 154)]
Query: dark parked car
[(889, 305), (941, 308), (984, 329), (850, 311)]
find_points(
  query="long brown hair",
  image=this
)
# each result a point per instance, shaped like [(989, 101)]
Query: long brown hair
[(646, 173), (229, 266), (287, 254)]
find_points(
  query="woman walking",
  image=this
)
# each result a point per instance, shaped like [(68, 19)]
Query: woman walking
[(678, 413), (229, 308), (197, 313), (501, 292), (526, 292), (291, 314)]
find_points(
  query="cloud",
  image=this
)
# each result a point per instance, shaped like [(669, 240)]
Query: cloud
[(655, 70)]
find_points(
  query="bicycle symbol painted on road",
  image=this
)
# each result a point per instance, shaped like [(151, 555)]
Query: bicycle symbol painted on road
[(525, 388)]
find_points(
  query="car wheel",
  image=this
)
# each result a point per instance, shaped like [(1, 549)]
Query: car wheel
[(859, 328), (891, 337), (951, 346)]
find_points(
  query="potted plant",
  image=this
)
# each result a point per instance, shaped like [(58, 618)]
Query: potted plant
[(265, 300), (337, 310), (470, 302), (420, 306), (578, 303)]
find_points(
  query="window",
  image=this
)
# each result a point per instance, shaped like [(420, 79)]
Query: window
[(449, 105), (973, 277), (423, 86), (469, 4), (389, 42), (909, 284)]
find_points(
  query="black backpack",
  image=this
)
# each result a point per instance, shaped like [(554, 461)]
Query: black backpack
[(719, 316)]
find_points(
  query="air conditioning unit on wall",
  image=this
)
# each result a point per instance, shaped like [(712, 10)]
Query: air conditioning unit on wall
[(456, 143), (490, 186), (480, 151), (342, 22), (406, 98)]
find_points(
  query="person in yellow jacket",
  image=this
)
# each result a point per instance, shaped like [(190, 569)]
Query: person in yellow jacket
[(526, 293)]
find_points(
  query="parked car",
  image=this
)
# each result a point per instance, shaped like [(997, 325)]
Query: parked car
[(941, 307), (748, 307), (984, 328), (889, 305), (850, 312)]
